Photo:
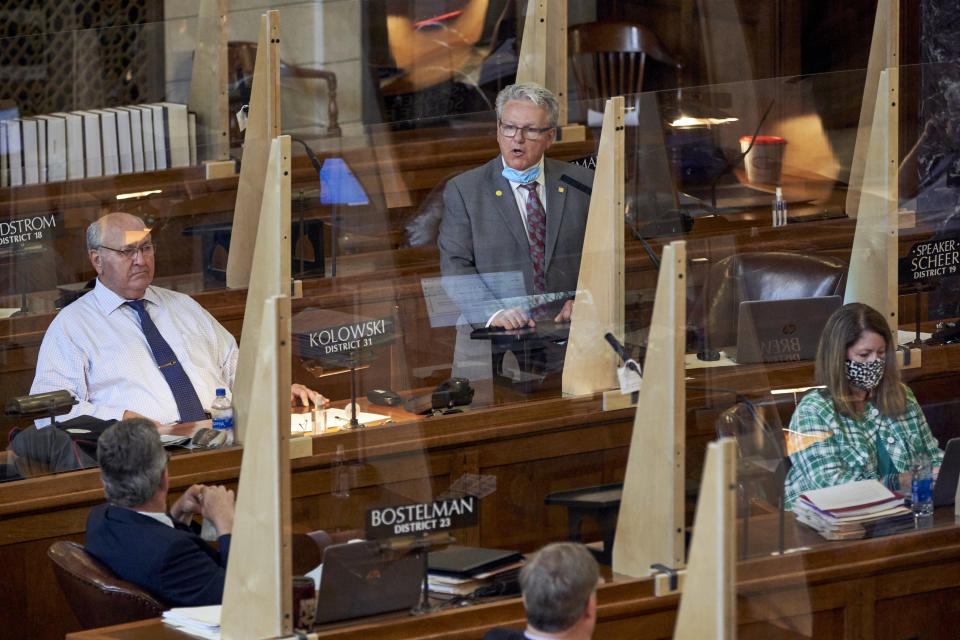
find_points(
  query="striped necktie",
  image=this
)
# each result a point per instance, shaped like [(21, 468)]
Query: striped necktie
[(188, 404)]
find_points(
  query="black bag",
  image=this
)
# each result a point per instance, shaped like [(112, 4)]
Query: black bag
[(71, 445)]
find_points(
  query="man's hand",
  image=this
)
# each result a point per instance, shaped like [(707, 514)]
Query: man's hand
[(565, 313), (515, 318), (217, 505), (188, 504), (305, 396)]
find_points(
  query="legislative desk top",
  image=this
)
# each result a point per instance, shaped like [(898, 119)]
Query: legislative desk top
[(516, 415), (814, 578)]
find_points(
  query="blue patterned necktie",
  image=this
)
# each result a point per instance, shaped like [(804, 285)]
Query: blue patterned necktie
[(188, 404)]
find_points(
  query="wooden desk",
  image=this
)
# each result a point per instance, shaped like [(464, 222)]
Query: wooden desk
[(887, 588), (530, 450)]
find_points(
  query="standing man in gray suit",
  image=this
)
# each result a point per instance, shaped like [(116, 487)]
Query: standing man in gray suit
[(512, 230)]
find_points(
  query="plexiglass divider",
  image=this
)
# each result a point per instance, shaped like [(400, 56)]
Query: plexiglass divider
[(753, 175)]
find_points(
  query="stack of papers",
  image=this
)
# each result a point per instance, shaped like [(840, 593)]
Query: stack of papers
[(464, 586), (853, 510), (203, 622), (461, 571)]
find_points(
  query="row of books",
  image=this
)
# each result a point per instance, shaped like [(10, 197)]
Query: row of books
[(854, 510), (96, 142)]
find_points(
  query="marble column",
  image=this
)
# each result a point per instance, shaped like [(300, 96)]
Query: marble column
[(938, 147)]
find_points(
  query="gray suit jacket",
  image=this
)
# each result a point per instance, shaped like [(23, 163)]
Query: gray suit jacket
[(482, 237)]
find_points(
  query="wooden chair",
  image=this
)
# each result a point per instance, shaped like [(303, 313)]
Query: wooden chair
[(609, 58), (307, 547), (241, 57), (95, 595)]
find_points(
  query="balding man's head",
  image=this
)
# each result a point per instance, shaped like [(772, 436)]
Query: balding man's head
[(121, 251)]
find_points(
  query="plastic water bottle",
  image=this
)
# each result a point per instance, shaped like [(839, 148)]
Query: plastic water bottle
[(921, 487), (222, 412), (340, 475), (779, 209)]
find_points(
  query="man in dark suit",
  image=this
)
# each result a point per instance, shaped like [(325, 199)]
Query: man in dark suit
[(559, 586), (512, 230), (139, 539)]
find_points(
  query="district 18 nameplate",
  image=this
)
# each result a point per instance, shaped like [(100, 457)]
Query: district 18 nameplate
[(422, 517), (19, 233)]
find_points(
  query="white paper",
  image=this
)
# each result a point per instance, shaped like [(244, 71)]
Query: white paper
[(850, 494), (630, 380), (341, 417), (202, 621)]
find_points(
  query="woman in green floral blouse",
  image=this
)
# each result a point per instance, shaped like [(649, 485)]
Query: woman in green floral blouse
[(865, 423)]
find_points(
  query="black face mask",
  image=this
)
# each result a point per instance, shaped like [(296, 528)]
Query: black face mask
[(865, 375)]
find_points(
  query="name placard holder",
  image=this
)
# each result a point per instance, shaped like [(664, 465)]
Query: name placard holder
[(420, 526)]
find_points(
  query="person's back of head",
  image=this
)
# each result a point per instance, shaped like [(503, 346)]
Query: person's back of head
[(132, 461), (558, 586)]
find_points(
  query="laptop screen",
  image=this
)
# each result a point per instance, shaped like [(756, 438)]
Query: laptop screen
[(785, 330), (361, 579)]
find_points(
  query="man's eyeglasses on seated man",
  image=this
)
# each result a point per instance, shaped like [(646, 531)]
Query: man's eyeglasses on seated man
[(145, 250), (529, 133)]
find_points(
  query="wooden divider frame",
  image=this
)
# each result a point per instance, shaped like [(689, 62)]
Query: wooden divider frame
[(590, 364), (872, 277), (208, 82), (708, 606), (257, 594), (263, 125), (543, 58), (884, 54), (543, 50), (651, 521)]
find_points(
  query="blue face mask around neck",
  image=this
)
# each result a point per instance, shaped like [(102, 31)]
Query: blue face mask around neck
[(523, 177)]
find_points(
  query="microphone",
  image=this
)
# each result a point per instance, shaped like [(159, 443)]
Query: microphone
[(576, 184), (628, 362), (316, 162), (646, 247), (736, 160)]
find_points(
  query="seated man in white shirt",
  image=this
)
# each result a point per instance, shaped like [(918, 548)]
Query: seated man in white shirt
[(559, 586), (130, 349)]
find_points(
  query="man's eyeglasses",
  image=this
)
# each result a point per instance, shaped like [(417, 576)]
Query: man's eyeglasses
[(529, 133), (145, 250)]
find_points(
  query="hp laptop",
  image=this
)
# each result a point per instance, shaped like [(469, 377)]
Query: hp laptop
[(360, 579), (782, 330)]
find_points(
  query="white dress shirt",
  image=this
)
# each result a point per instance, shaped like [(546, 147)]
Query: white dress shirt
[(95, 349), (162, 518)]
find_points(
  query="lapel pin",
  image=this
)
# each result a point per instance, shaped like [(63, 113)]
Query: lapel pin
[(499, 193), (560, 189)]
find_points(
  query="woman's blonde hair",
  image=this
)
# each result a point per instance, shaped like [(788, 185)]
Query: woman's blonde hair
[(842, 330)]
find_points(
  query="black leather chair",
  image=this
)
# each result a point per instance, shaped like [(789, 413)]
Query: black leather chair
[(767, 275), (95, 595)]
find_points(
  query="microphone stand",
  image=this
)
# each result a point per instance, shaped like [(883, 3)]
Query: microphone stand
[(736, 160), (318, 166), (780, 470)]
